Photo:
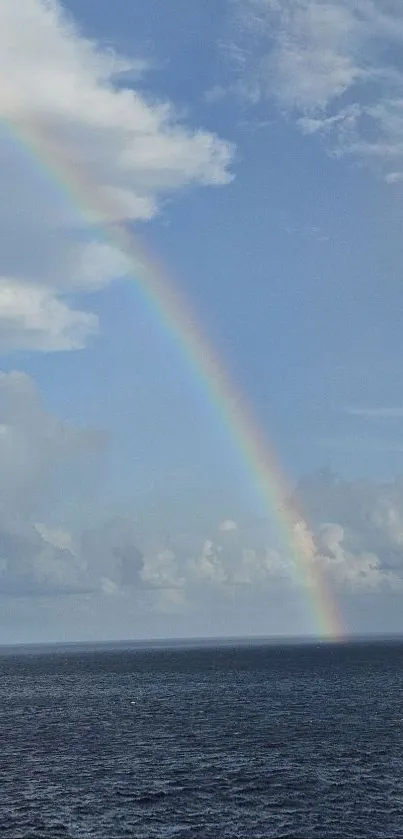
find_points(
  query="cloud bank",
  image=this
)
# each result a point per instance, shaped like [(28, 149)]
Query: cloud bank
[(356, 536)]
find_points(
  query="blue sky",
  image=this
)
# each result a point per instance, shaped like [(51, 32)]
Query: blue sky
[(281, 224), (299, 250)]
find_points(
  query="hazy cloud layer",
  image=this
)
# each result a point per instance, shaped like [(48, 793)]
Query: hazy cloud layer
[(33, 443), (36, 449), (62, 111), (335, 67)]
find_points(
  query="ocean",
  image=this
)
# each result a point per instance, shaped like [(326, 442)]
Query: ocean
[(216, 742)]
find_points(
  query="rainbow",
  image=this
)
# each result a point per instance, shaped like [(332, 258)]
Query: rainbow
[(175, 316)]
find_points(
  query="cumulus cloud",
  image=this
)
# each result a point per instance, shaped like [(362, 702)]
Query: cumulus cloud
[(32, 317), (118, 556), (357, 529), (161, 569), (208, 565), (335, 66), (355, 536), (120, 152), (63, 83), (237, 557), (356, 571), (354, 540)]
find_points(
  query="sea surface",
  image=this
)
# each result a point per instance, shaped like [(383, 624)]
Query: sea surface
[(210, 742)]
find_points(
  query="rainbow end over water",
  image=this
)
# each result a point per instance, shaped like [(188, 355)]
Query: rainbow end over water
[(173, 314)]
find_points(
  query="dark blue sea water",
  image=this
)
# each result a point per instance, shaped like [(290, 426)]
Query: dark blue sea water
[(261, 741)]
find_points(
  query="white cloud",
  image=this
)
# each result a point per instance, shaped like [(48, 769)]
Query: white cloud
[(60, 83), (355, 540), (208, 566), (162, 570), (359, 571), (60, 539), (336, 67), (119, 153), (394, 177), (315, 52), (33, 318), (237, 558), (227, 525), (109, 587), (363, 545)]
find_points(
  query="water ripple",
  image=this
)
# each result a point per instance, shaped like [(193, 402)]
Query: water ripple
[(263, 742)]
